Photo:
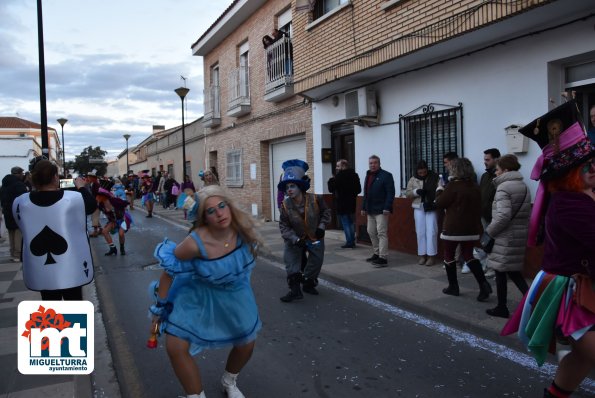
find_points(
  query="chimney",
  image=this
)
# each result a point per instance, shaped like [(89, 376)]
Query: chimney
[(158, 129)]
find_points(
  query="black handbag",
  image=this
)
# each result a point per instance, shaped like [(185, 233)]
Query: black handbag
[(486, 242), (429, 206)]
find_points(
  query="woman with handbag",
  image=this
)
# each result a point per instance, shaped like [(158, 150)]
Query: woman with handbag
[(510, 215), (422, 189), (461, 200), (559, 306)]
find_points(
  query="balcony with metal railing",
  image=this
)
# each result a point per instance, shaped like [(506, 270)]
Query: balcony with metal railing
[(239, 92), (279, 70), (212, 116)]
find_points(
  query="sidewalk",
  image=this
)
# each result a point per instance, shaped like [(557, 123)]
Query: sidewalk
[(404, 283)]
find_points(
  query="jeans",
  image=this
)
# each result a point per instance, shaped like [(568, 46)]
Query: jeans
[(347, 221), (426, 228)]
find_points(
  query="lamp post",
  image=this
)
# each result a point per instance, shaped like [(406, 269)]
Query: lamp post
[(126, 137), (62, 122), (182, 92)]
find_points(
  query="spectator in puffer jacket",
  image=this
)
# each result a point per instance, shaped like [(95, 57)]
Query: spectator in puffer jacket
[(510, 217)]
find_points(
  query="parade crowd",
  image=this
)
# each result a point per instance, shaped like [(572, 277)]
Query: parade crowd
[(204, 299)]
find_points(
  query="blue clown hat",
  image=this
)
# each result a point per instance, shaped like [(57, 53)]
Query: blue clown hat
[(294, 171)]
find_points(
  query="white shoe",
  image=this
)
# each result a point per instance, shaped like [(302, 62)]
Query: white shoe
[(229, 387), (465, 269)]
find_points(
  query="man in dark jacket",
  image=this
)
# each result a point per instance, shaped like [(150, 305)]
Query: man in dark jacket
[(488, 190), (379, 194), (13, 186), (345, 186)]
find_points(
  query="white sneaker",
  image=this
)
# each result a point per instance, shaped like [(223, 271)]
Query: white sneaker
[(465, 269), (229, 387)]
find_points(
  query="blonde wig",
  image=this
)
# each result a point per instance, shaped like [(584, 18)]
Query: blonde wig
[(241, 222)]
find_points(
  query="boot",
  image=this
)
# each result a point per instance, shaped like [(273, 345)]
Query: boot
[(451, 274), (309, 286), (501, 310), (122, 251), (430, 261), (422, 260), (484, 286), (112, 250), (295, 293), (228, 385)]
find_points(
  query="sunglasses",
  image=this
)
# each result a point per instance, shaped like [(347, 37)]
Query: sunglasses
[(588, 166), (211, 210)]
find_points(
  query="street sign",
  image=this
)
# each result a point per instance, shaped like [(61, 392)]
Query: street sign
[(96, 160)]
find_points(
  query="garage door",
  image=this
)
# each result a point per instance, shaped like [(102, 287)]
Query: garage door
[(280, 152)]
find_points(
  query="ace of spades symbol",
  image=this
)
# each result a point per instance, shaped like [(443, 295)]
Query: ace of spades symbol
[(48, 242)]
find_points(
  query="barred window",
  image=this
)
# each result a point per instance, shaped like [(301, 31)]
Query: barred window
[(428, 136), (234, 176)]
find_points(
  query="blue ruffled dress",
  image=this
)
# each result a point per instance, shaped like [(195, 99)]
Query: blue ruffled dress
[(213, 302)]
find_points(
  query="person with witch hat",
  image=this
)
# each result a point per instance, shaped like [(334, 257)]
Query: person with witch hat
[(560, 304), (303, 220), (118, 219)]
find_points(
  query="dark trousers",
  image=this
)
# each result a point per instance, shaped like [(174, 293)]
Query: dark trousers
[(502, 285), (74, 293)]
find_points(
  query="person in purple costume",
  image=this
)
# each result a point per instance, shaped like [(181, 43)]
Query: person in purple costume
[(553, 310)]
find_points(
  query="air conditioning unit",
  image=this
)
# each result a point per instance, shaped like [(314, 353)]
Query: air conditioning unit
[(360, 103)]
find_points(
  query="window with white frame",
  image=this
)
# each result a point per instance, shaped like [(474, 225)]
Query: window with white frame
[(428, 135), (234, 176), (325, 6)]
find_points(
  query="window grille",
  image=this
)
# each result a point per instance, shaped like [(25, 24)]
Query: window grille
[(428, 136), (234, 176)]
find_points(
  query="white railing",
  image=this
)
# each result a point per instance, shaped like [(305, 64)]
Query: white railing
[(239, 87), (212, 106), (279, 64)]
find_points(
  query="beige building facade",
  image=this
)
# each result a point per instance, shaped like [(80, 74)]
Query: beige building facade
[(253, 119)]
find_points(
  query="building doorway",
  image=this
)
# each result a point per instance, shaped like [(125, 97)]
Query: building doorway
[(343, 143)]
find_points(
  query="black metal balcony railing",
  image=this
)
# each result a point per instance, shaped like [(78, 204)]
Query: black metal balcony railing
[(279, 64)]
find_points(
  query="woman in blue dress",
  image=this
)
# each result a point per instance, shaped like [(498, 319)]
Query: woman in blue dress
[(204, 298)]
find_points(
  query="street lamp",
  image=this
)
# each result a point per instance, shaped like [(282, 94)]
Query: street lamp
[(62, 122), (126, 137), (182, 92)]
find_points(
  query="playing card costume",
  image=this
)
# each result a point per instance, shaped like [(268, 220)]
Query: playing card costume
[(56, 251)]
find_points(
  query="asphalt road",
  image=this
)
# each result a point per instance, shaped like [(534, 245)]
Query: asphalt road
[(338, 344)]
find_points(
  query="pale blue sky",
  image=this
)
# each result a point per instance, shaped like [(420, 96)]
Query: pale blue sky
[(111, 65)]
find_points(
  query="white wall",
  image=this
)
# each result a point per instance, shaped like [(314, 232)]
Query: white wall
[(15, 152), (500, 86)]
